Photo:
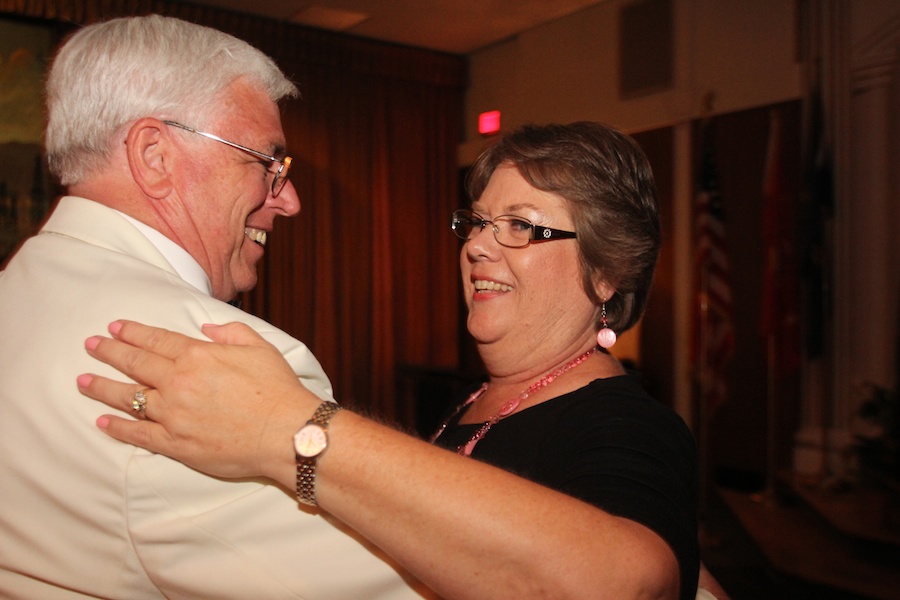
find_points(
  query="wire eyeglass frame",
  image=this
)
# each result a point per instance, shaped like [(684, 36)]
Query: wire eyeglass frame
[(281, 174)]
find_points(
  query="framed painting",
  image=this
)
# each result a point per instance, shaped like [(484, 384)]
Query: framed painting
[(26, 189)]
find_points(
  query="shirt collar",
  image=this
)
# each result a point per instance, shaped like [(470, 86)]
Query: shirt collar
[(183, 263)]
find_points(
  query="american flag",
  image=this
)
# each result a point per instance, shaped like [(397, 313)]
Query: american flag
[(713, 339)]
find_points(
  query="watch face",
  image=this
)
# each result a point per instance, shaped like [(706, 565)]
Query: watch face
[(310, 440)]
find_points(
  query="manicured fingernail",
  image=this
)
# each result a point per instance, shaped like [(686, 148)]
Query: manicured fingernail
[(115, 327), (92, 342), (103, 422), (84, 380)]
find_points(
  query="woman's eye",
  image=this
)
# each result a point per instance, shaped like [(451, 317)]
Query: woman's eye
[(519, 225)]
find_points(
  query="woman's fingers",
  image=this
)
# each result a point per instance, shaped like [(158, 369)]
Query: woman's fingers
[(119, 395), (116, 394), (139, 364), (138, 433), (170, 344), (165, 429), (162, 342), (235, 334)]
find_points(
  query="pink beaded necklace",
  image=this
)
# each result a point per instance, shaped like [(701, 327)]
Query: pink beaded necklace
[(509, 407)]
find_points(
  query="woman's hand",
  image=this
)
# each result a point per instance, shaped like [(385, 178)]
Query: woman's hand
[(228, 408)]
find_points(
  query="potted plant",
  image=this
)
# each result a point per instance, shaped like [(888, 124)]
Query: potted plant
[(878, 442)]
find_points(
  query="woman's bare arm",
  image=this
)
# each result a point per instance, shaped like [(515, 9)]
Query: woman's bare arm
[(465, 528)]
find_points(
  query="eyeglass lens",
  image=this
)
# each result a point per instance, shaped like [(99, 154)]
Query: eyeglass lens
[(508, 230), (281, 176)]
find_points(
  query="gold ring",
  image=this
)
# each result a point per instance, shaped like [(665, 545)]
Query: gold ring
[(139, 402)]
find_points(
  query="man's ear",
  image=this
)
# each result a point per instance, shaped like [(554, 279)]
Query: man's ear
[(148, 149)]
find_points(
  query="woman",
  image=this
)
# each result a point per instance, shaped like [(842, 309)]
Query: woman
[(561, 244)]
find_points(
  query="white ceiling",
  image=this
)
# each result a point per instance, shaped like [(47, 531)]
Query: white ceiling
[(454, 26)]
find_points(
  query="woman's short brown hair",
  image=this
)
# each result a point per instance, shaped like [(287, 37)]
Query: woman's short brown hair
[(607, 182)]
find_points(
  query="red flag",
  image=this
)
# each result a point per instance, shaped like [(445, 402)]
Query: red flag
[(780, 304), (713, 340)]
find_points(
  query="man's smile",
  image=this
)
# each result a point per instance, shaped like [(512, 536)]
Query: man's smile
[(257, 235)]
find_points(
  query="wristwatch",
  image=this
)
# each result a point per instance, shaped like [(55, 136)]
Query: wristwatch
[(310, 442)]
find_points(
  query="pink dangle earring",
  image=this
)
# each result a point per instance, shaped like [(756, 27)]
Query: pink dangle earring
[(606, 337)]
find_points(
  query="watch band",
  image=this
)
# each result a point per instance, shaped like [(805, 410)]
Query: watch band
[(306, 465)]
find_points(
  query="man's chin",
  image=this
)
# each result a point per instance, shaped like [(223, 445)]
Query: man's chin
[(246, 284), (238, 286)]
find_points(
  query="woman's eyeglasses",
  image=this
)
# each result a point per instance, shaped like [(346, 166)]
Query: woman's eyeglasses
[(509, 230)]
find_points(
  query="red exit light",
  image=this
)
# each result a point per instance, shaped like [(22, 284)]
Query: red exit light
[(489, 122)]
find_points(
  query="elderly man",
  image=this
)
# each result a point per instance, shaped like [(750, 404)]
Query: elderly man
[(168, 138)]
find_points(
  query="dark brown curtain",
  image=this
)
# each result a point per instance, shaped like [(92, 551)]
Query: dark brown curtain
[(367, 274), (657, 325)]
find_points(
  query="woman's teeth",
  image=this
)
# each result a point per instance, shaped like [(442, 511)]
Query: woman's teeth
[(491, 286), (257, 235)]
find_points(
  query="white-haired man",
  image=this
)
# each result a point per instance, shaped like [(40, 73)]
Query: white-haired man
[(168, 138)]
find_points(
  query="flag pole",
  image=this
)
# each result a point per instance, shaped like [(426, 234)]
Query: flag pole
[(702, 408), (703, 349), (769, 493), (773, 191)]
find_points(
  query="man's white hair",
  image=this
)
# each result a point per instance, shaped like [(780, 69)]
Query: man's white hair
[(112, 73)]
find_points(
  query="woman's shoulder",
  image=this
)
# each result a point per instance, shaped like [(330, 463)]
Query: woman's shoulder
[(621, 400), (618, 393)]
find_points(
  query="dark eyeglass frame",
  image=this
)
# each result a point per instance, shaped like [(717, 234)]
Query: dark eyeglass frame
[(281, 174), (539, 233)]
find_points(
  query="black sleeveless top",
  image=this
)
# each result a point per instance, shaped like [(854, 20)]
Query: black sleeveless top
[(611, 445)]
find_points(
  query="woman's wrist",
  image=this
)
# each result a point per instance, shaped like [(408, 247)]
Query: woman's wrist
[(276, 457), (311, 441)]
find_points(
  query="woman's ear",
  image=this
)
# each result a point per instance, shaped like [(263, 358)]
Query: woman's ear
[(149, 157), (603, 290)]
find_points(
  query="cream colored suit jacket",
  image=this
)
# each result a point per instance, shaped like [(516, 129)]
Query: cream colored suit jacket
[(82, 515)]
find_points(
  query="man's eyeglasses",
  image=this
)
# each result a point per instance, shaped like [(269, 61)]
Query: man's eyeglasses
[(509, 230), (280, 175)]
